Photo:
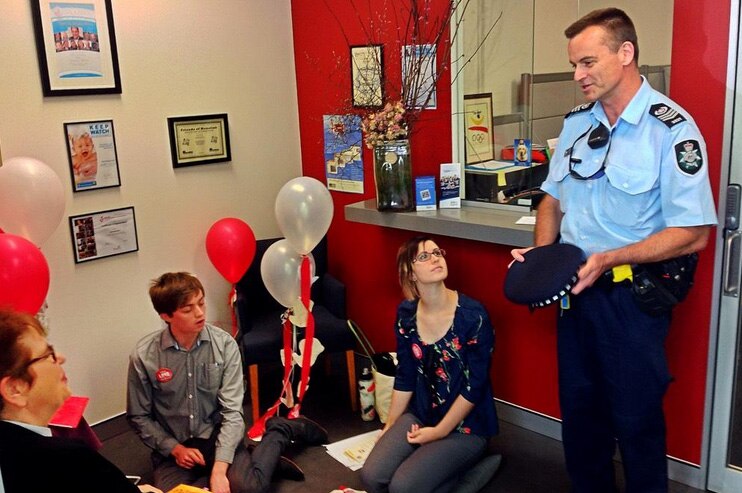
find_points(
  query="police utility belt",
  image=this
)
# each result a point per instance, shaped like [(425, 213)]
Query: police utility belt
[(658, 286)]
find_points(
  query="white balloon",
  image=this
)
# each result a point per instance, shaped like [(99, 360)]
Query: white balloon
[(281, 271), (31, 199), (304, 212)]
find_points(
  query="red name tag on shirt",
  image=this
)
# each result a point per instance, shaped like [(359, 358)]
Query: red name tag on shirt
[(164, 375)]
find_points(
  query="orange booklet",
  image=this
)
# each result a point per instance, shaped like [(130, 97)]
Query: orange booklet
[(69, 414), (184, 488)]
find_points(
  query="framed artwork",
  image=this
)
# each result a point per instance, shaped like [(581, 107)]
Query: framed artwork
[(76, 46), (480, 142), (200, 139), (367, 76), (419, 76), (91, 150), (343, 153), (103, 234)]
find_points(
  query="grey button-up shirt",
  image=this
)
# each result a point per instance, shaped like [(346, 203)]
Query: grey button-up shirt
[(175, 394)]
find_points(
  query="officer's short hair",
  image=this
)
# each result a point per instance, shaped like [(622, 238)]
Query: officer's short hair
[(618, 24)]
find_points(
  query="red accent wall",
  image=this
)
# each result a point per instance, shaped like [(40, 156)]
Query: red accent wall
[(363, 256), (700, 41)]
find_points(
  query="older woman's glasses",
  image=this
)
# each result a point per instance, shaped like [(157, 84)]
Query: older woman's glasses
[(599, 137), (49, 354), (425, 256)]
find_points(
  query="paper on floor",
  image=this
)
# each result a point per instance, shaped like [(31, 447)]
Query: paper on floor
[(352, 452)]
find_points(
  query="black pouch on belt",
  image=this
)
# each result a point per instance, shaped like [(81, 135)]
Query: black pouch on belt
[(659, 286)]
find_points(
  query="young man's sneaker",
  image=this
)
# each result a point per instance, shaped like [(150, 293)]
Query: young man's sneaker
[(309, 432), (288, 469)]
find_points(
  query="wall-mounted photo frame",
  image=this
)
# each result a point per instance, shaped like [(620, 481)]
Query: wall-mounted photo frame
[(419, 75), (103, 234), (478, 131), (200, 139), (367, 76), (76, 46), (91, 151)]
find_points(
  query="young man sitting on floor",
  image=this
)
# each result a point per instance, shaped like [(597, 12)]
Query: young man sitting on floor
[(184, 400)]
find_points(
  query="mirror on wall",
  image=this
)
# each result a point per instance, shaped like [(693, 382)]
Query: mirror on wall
[(514, 86)]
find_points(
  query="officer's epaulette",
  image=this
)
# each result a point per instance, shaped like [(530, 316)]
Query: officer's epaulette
[(666, 115), (580, 109)]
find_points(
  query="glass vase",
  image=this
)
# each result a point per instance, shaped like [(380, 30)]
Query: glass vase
[(393, 176)]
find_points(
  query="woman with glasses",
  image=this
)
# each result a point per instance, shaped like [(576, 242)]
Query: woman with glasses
[(33, 385), (442, 411)]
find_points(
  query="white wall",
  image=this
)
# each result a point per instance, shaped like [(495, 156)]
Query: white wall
[(530, 38), (188, 57), (652, 19)]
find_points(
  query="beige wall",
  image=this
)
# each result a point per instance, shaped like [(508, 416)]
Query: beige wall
[(652, 19), (530, 38), (188, 57)]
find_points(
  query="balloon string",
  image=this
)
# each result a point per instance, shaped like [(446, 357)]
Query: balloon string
[(306, 367), (258, 428)]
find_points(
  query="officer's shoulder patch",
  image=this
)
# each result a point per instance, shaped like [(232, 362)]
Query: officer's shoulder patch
[(688, 156), (579, 109), (666, 114)]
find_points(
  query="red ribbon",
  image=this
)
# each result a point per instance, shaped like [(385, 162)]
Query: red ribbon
[(258, 428), (306, 284)]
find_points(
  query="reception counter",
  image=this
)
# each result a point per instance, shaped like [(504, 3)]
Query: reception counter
[(470, 222)]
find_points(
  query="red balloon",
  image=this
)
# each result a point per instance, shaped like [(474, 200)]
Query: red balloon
[(24, 274), (230, 244)]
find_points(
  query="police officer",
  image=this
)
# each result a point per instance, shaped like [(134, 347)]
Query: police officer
[(629, 185)]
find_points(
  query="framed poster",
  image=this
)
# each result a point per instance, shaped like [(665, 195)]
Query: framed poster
[(480, 142), (91, 150), (343, 153), (419, 76), (103, 234), (199, 139), (76, 46), (367, 74)]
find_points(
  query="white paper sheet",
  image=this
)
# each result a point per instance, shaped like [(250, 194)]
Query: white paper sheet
[(352, 452)]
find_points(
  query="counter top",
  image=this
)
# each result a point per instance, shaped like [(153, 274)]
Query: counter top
[(469, 222)]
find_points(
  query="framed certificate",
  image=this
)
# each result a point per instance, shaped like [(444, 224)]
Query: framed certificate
[(91, 150), (103, 234), (367, 75), (199, 139), (480, 142), (76, 46)]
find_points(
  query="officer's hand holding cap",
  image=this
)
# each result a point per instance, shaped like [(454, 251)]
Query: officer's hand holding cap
[(547, 274)]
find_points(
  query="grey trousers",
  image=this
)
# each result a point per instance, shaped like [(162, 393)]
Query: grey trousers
[(249, 473), (396, 466)]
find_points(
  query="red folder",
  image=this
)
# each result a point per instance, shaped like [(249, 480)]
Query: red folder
[(70, 413)]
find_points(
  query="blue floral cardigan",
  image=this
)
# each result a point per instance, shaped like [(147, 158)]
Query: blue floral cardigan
[(457, 364)]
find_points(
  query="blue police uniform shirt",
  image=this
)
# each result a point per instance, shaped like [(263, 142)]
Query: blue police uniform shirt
[(655, 176)]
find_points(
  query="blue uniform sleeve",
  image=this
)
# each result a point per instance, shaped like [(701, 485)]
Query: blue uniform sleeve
[(686, 193)]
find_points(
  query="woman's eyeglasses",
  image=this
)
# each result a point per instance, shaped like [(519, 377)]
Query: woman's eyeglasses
[(47, 355), (599, 137), (425, 256)]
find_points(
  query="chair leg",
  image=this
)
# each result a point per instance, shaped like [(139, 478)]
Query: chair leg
[(350, 359), (254, 393)]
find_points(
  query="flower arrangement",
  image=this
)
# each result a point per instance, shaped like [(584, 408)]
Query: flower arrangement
[(390, 123)]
